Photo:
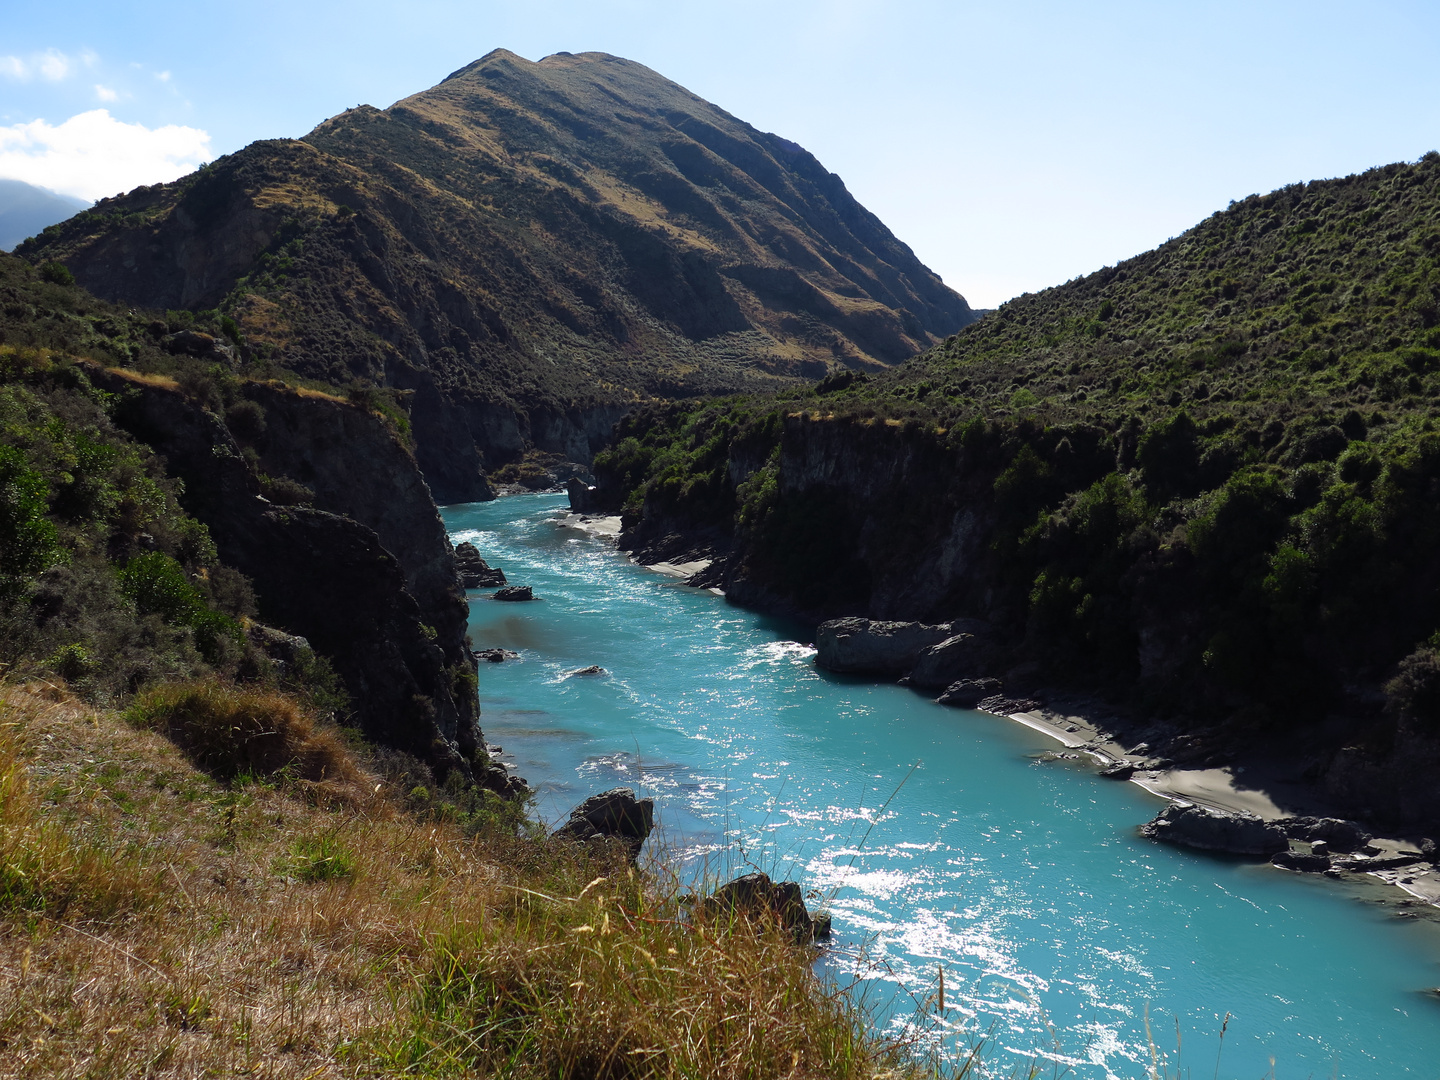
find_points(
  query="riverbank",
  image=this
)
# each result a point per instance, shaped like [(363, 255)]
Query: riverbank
[(1265, 786)]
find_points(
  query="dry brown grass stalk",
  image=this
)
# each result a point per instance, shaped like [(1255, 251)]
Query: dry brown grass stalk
[(190, 927)]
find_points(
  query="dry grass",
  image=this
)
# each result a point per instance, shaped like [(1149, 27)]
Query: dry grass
[(187, 927)]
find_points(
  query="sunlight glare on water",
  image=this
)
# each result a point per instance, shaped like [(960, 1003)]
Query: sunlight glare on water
[(1057, 925)]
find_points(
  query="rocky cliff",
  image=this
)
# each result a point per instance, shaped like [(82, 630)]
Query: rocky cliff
[(531, 248), (324, 573)]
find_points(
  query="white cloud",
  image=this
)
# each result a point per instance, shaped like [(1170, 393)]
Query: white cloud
[(52, 65), (163, 76), (93, 154), (104, 93)]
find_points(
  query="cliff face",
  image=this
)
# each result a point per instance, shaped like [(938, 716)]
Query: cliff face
[(529, 247), (325, 573)]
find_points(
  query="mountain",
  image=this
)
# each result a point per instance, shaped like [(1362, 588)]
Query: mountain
[(26, 209), (1205, 481), (529, 248)]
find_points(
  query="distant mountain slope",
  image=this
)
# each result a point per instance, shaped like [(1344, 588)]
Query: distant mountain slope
[(26, 209), (531, 248)]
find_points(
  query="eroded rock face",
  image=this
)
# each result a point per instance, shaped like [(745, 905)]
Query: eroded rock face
[(1216, 830), (873, 647), (968, 693), (614, 815), (963, 655), (1337, 834), (755, 898), (475, 572), (327, 577)]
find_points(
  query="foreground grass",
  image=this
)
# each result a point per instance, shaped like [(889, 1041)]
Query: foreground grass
[(155, 921)]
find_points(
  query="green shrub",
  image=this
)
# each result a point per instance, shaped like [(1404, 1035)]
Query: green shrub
[(57, 273)]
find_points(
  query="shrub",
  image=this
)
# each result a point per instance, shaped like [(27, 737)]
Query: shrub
[(57, 273), (232, 732)]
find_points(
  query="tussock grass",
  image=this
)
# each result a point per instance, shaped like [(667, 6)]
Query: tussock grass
[(234, 731), (193, 926)]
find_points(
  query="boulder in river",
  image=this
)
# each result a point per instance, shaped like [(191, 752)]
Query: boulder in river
[(475, 572), (874, 647), (960, 656), (514, 592), (496, 656), (1210, 829), (968, 693), (614, 815), (593, 669), (755, 898)]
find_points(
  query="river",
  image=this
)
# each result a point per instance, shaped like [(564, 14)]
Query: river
[(940, 837)]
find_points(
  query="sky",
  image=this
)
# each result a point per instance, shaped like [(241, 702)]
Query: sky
[(1013, 145)]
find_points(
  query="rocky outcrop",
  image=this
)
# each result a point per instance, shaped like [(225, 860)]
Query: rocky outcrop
[(969, 693), (584, 498), (514, 593), (475, 572), (323, 576), (874, 647), (1337, 834), (754, 898), (1210, 829), (962, 655), (613, 816), (356, 466)]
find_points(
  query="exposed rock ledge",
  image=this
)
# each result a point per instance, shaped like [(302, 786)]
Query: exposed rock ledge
[(935, 656)]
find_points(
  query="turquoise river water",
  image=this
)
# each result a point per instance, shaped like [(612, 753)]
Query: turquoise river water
[(1057, 925)]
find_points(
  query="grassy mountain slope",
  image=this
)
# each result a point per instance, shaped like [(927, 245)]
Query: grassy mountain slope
[(1206, 479), (531, 248)]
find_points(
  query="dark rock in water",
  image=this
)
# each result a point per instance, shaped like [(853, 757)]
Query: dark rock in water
[(584, 498), (874, 647), (756, 898), (515, 592), (475, 572), (968, 693), (495, 656), (614, 815), (1121, 770), (960, 656), (1216, 830), (1341, 835), (593, 669), (1310, 863)]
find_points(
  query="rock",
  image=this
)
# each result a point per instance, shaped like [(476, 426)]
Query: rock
[(1003, 706), (1121, 770), (612, 815), (960, 656), (496, 656), (1319, 847), (756, 898), (475, 572), (968, 693), (284, 650), (1312, 863), (584, 499), (1341, 835), (874, 647), (514, 592), (194, 343), (593, 669), (1216, 830)]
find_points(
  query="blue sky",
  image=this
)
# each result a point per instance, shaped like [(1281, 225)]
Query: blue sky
[(1012, 145)]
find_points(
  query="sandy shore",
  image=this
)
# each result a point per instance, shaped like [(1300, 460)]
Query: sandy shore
[(1263, 788), (606, 527)]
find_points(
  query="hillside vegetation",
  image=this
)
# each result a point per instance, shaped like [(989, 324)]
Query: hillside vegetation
[(289, 921), (530, 247), (1205, 478)]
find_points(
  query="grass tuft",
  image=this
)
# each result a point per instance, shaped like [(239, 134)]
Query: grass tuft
[(234, 732)]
